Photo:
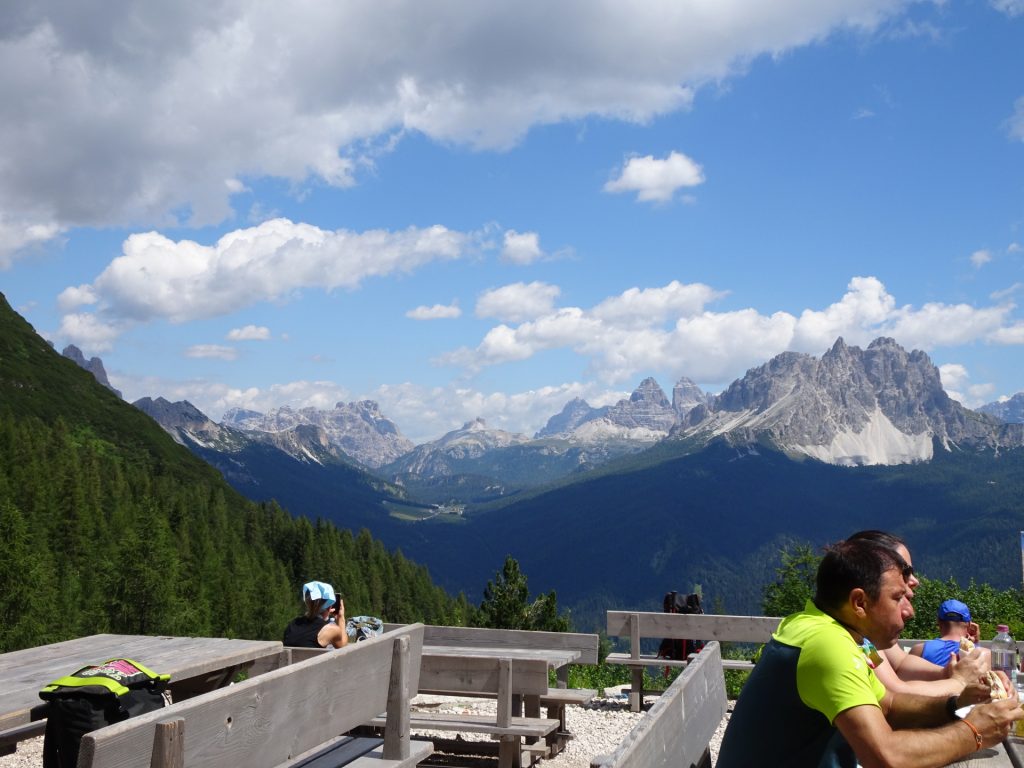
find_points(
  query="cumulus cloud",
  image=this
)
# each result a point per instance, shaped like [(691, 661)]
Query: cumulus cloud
[(956, 382), (435, 312), (89, 332), (656, 180), (521, 247), (518, 301), (980, 258), (159, 278), (1009, 7), (249, 333), (672, 328), (153, 113), (213, 351)]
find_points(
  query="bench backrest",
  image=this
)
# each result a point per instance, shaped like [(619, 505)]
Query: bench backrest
[(677, 730), (483, 637), (268, 720), (482, 676), (646, 624)]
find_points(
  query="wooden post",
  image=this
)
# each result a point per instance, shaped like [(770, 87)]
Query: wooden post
[(396, 729), (169, 744), (636, 687)]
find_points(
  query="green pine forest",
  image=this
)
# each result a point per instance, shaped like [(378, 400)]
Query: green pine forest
[(107, 525)]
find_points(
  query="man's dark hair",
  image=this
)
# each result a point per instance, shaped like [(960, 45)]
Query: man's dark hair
[(886, 539), (850, 564)]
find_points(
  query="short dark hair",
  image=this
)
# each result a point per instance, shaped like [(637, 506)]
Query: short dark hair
[(851, 564), (886, 539)]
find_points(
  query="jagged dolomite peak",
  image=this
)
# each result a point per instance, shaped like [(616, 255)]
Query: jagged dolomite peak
[(881, 405), (1010, 411), (471, 441), (93, 365), (359, 429)]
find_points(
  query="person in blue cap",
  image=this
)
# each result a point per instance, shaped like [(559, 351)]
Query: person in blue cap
[(956, 632), (323, 623)]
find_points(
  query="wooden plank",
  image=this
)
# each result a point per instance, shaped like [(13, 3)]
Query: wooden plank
[(678, 728), (576, 696), (745, 629), (23, 673), (396, 737), (535, 727), (270, 719), (419, 751), (454, 674), (169, 745)]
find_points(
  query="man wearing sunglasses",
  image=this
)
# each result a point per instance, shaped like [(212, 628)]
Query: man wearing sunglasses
[(813, 698)]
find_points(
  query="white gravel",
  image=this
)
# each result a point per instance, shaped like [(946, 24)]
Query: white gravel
[(597, 729)]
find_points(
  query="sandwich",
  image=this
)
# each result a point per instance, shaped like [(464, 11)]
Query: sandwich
[(966, 645), (998, 690)]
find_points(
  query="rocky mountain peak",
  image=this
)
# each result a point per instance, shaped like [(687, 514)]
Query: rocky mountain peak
[(686, 396), (93, 365), (881, 405), (576, 412), (650, 392), (1009, 410)]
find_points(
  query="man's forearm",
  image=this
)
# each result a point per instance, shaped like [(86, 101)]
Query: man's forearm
[(913, 710)]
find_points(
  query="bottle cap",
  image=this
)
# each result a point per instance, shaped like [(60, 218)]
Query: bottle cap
[(1003, 628)]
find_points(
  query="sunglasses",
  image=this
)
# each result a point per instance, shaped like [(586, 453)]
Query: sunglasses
[(907, 571)]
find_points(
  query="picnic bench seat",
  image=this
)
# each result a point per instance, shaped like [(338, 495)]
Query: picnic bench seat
[(495, 677), (642, 625), (678, 729), (293, 716)]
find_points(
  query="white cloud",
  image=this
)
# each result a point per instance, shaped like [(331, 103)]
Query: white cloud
[(656, 180), (1009, 7), (89, 332), (196, 97), (1015, 124), (179, 281), (435, 312), (249, 333), (956, 382), (521, 247), (516, 302), (671, 329), (980, 258), (1014, 248), (213, 351), (1005, 292), (19, 235)]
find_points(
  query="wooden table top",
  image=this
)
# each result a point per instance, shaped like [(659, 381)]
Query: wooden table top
[(994, 757), (23, 673), (555, 657)]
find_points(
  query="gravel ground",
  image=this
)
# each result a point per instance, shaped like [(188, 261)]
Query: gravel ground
[(598, 728)]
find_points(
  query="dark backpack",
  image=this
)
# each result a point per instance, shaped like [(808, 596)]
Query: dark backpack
[(93, 697), (672, 648)]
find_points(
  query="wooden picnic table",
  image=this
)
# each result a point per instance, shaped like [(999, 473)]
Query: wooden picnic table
[(194, 663)]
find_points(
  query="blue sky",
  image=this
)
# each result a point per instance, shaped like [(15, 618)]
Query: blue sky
[(464, 209)]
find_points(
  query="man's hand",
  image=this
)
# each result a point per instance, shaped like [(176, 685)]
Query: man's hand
[(968, 668), (994, 720)]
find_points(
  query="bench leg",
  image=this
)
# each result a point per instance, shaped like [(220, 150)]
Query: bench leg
[(636, 691), (509, 753)]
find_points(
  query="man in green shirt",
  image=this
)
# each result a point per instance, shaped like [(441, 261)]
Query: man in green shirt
[(813, 698)]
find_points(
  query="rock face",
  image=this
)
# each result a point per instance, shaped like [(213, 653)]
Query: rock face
[(359, 429), (881, 405), (577, 411), (93, 365), (1010, 411), (644, 418), (442, 457)]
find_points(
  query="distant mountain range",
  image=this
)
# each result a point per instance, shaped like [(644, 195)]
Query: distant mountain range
[(1010, 410), (801, 449)]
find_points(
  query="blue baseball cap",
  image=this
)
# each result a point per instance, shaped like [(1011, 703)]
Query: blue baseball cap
[(954, 610), (319, 590)]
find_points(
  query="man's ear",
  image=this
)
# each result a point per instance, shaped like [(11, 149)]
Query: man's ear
[(858, 601)]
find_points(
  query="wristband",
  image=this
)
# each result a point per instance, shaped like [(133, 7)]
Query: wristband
[(976, 733), (951, 708)]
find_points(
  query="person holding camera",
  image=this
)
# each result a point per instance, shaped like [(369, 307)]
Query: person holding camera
[(323, 623)]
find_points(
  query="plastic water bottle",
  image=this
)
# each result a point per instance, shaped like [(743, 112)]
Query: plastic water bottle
[(1004, 652)]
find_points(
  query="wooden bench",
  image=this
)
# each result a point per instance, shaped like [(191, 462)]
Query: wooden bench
[(287, 717), (641, 625), (677, 730), (584, 646), (496, 677)]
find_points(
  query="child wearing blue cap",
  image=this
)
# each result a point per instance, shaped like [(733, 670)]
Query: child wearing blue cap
[(323, 623), (956, 632)]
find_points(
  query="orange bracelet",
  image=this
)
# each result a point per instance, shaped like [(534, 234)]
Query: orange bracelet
[(976, 732)]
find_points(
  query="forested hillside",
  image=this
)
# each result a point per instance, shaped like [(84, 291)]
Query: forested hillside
[(107, 525)]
